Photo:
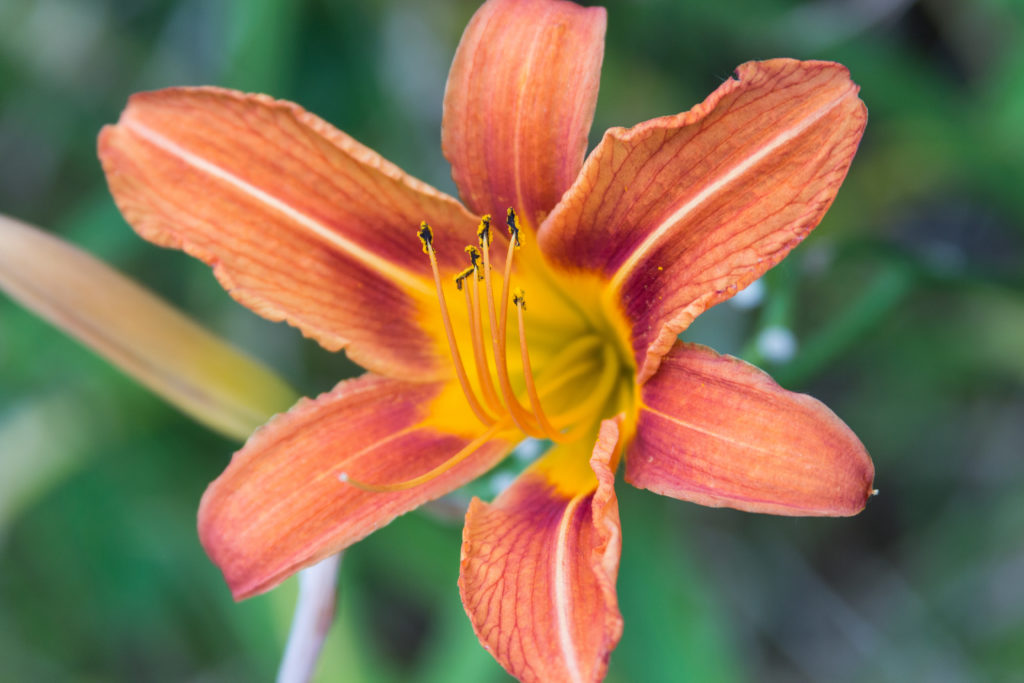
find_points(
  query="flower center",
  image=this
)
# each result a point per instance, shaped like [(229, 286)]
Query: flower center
[(497, 405), (582, 358)]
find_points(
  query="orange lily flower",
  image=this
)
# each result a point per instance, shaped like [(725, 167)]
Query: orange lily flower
[(562, 327)]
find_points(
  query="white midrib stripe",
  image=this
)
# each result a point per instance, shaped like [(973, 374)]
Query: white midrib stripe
[(369, 259), (710, 189), (563, 603), (706, 432)]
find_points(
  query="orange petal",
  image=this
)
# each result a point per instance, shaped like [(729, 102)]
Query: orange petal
[(281, 504), (519, 103), (717, 431), (154, 343), (681, 212), (299, 221), (539, 566)]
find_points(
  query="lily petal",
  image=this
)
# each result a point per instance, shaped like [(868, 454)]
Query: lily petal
[(717, 431), (282, 504), (199, 373), (299, 221), (539, 566), (680, 213), (519, 103)]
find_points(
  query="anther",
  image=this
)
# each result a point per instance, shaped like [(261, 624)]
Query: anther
[(519, 297), (462, 276), (474, 255), (426, 236), (483, 231), (512, 221)]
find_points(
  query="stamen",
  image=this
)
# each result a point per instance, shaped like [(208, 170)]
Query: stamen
[(476, 328), (522, 418), (497, 397), (483, 373), (427, 237), (503, 409), (519, 299), (513, 244), (512, 221), (483, 231), (474, 257), (433, 474), (461, 277)]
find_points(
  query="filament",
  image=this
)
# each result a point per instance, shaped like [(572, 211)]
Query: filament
[(531, 388), (506, 277), (479, 354), (519, 414), (460, 371)]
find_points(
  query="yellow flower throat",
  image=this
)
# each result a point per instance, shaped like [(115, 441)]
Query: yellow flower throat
[(584, 368)]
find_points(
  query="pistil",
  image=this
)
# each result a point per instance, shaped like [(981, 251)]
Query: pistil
[(426, 477)]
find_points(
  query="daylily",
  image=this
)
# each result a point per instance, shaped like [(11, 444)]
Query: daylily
[(559, 321)]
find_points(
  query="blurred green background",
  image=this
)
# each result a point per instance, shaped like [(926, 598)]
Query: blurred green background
[(906, 308)]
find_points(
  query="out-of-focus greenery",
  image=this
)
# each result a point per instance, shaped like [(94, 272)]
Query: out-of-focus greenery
[(907, 306)]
